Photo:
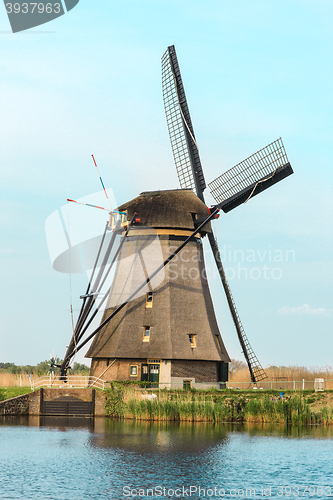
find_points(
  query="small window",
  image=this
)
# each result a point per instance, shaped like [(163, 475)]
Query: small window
[(192, 340), (146, 333), (133, 370), (149, 300)]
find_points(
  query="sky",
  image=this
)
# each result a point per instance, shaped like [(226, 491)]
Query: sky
[(89, 83)]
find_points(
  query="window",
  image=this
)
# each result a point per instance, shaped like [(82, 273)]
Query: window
[(192, 340), (133, 370), (146, 333), (149, 300)]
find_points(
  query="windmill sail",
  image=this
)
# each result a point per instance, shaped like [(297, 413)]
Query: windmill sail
[(257, 372), (190, 174), (252, 176), (183, 143)]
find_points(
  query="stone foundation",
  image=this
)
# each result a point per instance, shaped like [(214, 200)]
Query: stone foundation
[(31, 404), (15, 406)]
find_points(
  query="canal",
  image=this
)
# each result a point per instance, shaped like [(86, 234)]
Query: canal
[(71, 458)]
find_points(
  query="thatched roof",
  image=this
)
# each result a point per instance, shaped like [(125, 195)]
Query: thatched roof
[(176, 208)]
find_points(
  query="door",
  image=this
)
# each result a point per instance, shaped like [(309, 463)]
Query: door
[(154, 375), (150, 373), (144, 372)]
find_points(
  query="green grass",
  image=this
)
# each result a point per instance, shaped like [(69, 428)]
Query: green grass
[(219, 406), (11, 392)]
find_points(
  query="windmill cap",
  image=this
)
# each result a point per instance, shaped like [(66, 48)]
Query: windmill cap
[(175, 208)]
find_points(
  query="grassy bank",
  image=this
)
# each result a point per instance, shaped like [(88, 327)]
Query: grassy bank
[(126, 401), (11, 392), (221, 406)]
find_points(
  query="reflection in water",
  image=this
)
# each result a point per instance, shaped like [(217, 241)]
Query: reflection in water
[(130, 433), (78, 458), (158, 436)]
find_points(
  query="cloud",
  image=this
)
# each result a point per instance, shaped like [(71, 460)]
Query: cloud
[(305, 309)]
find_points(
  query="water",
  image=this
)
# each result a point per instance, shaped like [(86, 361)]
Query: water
[(67, 459)]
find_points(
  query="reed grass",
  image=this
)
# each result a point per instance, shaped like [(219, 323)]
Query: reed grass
[(13, 380), (282, 375), (220, 406)]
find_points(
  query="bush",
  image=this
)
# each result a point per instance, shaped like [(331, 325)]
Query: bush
[(115, 406)]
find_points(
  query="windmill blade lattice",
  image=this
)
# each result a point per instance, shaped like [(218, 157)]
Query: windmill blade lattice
[(257, 372), (190, 174), (250, 177), (183, 143)]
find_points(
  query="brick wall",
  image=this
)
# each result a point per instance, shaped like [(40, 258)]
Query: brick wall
[(34, 403), (100, 398), (119, 370), (202, 371), (84, 394)]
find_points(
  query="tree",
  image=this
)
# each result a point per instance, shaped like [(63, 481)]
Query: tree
[(80, 368)]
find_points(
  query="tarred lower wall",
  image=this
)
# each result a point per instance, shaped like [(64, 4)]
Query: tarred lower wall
[(202, 371)]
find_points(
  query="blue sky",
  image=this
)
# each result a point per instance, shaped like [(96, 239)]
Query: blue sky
[(90, 83)]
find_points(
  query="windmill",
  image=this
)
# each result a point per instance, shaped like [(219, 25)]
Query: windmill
[(183, 217)]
